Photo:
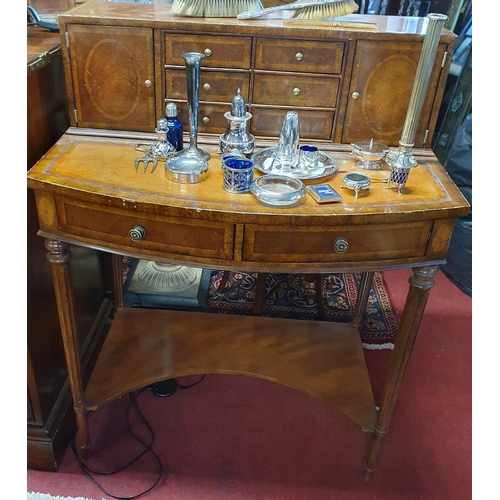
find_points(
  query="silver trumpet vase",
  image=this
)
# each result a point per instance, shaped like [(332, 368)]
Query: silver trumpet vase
[(190, 165)]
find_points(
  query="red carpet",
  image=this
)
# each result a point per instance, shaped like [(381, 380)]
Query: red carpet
[(236, 437)]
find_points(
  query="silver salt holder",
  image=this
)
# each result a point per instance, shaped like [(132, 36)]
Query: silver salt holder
[(369, 154), (236, 139)]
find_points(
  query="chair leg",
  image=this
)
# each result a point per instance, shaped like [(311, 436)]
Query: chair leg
[(223, 281), (318, 280), (260, 282)]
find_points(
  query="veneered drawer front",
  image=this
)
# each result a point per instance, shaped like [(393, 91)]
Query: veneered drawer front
[(299, 55), (220, 51), (314, 124), (316, 244), (215, 86), (288, 89), (211, 118), (163, 234)]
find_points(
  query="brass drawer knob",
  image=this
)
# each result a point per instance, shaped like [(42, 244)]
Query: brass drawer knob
[(340, 245), (207, 52), (137, 233), (147, 83), (205, 120), (206, 86), (355, 95), (299, 56), (296, 91)]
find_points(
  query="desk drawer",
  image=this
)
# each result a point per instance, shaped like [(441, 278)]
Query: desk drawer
[(288, 89), (220, 51), (162, 234), (335, 244), (215, 86), (299, 55)]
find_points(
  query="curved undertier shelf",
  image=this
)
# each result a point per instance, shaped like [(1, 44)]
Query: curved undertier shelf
[(324, 360)]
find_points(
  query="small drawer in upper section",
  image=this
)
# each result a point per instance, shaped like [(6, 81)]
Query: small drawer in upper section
[(233, 52), (299, 55), (288, 89), (211, 119), (314, 123), (215, 86)]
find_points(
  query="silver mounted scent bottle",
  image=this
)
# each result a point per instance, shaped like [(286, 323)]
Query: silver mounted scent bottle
[(236, 139)]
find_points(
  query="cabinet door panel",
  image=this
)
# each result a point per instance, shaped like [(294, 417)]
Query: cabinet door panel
[(383, 76), (214, 85), (111, 68)]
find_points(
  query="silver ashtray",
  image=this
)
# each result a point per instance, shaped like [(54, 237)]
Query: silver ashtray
[(369, 154), (278, 190), (355, 181)]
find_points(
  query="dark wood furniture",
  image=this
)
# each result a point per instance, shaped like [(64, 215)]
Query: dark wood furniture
[(123, 63), (51, 421), (89, 195)]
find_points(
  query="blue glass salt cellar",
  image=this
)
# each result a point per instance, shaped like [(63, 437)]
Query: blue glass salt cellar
[(174, 134)]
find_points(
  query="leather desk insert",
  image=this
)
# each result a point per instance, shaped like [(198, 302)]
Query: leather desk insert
[(88, 193)]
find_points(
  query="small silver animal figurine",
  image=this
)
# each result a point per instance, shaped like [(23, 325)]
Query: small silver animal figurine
[(159, 150)]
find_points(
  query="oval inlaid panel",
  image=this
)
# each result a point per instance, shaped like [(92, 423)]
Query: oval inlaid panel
[(392, 73), (117, 77)]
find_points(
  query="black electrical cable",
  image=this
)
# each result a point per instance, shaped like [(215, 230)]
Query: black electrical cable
[(148, 448), (189, 386)]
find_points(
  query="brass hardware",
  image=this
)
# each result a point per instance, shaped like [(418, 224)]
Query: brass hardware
[(206, 86), (205, 119), (207, 52), (137, 233), (299, 56), (340, 245), (296, 91), (355, 95), (147, 83), (443, 62), (425, 138)]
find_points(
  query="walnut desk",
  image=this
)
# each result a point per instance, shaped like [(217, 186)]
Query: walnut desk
[(89, 194)]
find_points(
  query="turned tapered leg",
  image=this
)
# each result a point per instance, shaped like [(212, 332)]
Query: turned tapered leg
[(365, 285), (59, 257), (114, 278), (421, 283)]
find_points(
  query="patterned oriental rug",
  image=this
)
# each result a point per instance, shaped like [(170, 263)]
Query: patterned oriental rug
[(294, 296), (284, 296)]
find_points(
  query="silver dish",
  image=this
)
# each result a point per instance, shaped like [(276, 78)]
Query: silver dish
[(263, 160), (278, 190), (369, 154)]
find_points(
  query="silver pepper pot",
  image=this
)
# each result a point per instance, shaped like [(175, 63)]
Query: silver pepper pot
[(236, 139)]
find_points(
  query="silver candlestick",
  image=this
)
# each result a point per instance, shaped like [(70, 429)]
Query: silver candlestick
[(190, 165), (401, 160)]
